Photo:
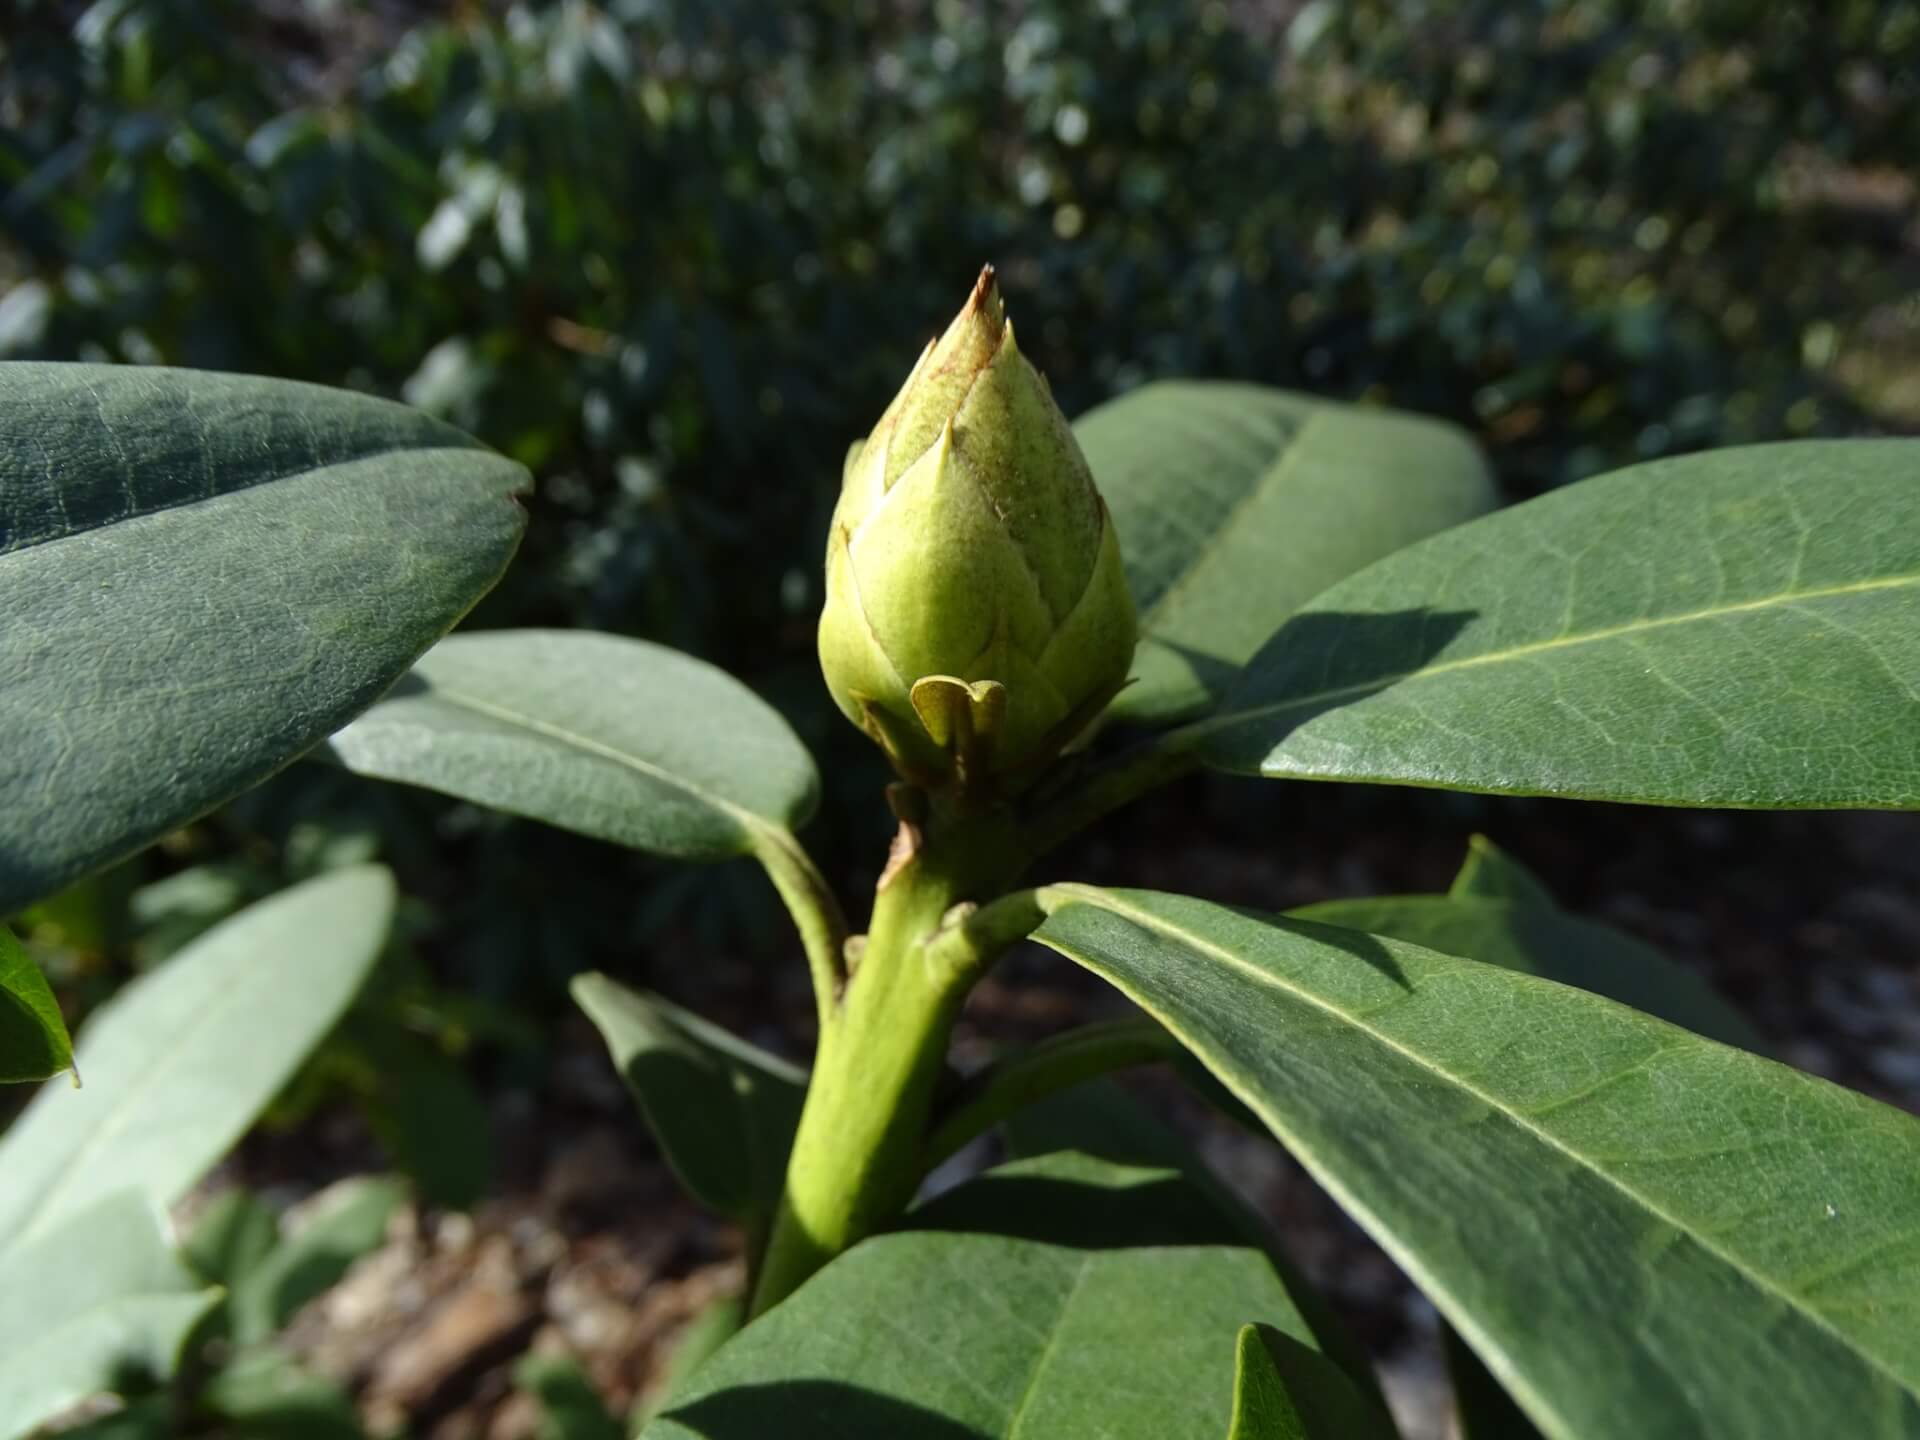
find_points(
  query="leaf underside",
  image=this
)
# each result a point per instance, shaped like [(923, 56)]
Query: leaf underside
[(722, 1111), (182, 1060), (98, 1302)]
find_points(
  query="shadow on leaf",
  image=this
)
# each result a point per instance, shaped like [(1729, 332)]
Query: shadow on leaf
[(1356, 943), (1127, 1207), (1326, 659), (813, 1410)]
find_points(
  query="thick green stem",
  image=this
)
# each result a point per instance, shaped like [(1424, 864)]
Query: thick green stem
[(855, 1160), (1053, 1065)]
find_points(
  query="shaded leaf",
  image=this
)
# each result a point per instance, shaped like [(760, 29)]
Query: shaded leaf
[(1739, 628), (1063, 1296), (201, 577), (1535, 937), (181, 1060), (96, 1303), (426, 1114), (1236, 504), (1736, 1244), (33, 1036), (1284, 1391), (345, 1223), (232, 1236), (262, 1394), (1489, 873), (723, 1111), (619, 739), (570, 1408), (149, 1418), (1100, 1119)]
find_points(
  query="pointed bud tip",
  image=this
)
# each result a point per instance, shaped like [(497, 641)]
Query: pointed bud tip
[(985, 299)]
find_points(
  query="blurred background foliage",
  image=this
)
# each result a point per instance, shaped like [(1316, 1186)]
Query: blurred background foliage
[(675, 254)]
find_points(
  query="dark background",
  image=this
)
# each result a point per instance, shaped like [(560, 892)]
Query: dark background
[(676, 256)]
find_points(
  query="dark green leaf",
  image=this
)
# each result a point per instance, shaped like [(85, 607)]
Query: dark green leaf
[(263, 1395), (1062, 1297), (1262, 1407), (570, 1408), (1236, 504), (232, 1236), (1736, 1245), (426, 1114), (1100, 1119), (95, 1303), (183, 1059), (149, 1418), (619, 739), (1489, 873), (33, 1036), (722, 1111), (201, 577), (1284, 1391), (346, 1222), (1740, 628)]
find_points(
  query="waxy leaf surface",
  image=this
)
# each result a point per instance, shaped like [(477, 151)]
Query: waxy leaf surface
[(1236, 504), (1739, 628), (1735, 1244), (97, 1300), (723, 1111), (179, 1063), (1062, 1297), (201, 577), (619, 739), (1533, 935)]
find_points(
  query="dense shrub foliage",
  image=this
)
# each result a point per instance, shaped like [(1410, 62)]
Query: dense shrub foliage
[(670, 254), (673, 256)]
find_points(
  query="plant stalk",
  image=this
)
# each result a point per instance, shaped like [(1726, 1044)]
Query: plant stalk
[(856, 1155)]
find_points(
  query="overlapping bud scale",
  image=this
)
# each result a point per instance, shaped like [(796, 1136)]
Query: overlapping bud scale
[(977, 617)]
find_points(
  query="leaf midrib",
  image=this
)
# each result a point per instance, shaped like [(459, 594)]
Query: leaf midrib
[(19, 546), (1272, 476), (136, 1302), (751, 821), (179, 1046), (1229, 719), (1045, 1358), (1106, 901)]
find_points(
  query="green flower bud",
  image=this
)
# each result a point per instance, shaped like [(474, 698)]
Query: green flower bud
[(977, 618)]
